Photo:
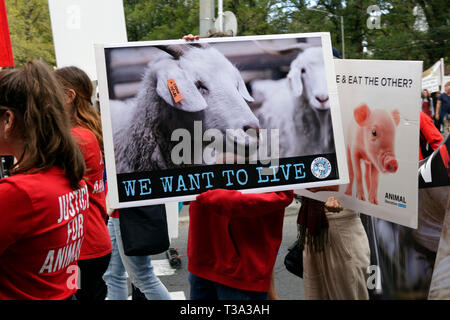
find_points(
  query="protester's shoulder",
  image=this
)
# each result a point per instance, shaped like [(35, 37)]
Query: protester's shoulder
[(86, 140), (32, 182), (14, 188), (444, 97), (83, 135), (10, 184)]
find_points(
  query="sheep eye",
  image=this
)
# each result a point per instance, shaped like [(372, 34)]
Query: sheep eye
[(303, 70), (200, 86), (374, 133)]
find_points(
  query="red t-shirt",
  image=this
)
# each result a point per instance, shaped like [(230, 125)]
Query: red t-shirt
[(428, 134), (426, 107), (234, 238), (97, 242), (42, 224)]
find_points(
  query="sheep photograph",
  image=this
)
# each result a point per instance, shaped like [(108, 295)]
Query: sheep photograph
[(184, 113)]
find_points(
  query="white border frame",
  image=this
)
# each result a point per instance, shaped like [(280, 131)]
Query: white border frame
[(336, 119)]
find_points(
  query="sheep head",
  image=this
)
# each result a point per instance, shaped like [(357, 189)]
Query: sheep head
[(212, 88), (307, 78)]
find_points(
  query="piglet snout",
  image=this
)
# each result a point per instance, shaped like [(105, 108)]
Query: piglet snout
[(390, 164)]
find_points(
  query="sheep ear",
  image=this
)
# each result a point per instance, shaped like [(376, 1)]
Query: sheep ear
[(243, 91), (192, 100), (295, 81)]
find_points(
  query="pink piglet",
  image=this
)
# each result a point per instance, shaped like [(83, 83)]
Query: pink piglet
[(371, 139)]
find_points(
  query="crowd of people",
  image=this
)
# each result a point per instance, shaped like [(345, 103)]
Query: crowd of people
[(437, 106), (54, 213), (54, 217)]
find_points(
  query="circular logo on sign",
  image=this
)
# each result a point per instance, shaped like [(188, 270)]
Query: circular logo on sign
[(321, 167)]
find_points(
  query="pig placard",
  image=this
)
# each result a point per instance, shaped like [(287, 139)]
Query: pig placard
[(380, 118), (371, 139)]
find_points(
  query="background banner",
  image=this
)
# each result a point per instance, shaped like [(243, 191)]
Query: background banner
[(78, 24), (380, 104), (6, 55), (433, 77), (255, 114)]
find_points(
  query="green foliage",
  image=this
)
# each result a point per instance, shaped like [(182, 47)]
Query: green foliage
[(398, 38), (160, 20), (254, 17), (30, 29)]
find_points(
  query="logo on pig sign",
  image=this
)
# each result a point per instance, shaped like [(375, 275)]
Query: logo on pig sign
[(321, 168)]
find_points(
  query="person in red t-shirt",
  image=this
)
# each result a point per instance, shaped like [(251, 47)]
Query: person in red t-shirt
[(86, 128), (430, 137), (43, 204), (427, 103), (233, 241)]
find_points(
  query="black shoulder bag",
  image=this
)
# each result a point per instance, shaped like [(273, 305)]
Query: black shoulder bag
[(294, 259), (144, 230)]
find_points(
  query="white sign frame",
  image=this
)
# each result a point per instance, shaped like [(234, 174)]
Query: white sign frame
[(407, 146), (107, 125)]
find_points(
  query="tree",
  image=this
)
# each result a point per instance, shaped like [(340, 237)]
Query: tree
[(437, 37), (254, 17), (401, 38), (30, 29), (397, 39), (159, 20)]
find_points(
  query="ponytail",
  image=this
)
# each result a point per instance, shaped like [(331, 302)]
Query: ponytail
[(36, 100)]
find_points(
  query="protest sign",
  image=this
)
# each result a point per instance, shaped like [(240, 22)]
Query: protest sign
[(179, 118), (380, 104), (78, 24), (432, 78)]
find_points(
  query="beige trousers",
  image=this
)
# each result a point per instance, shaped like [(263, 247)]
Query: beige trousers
[(340, 271)]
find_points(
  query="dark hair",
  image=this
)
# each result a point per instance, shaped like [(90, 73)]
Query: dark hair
[(32, 94), (83, 112)]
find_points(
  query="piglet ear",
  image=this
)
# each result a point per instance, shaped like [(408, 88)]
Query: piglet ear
[(396, 116), (189, 98), (295, 81), (361, 114)]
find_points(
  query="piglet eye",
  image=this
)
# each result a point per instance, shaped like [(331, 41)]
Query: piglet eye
[(374, 133)]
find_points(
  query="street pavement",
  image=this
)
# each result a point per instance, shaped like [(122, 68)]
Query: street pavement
[(288, 286)]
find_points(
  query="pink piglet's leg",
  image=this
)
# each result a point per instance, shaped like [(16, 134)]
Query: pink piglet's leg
[(373, 191), (358, 175), (367, 176), (350, 173)]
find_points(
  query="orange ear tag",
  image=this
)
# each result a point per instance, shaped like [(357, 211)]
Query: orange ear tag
[(173, 88)]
